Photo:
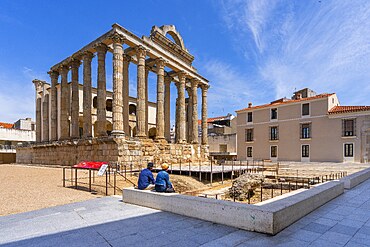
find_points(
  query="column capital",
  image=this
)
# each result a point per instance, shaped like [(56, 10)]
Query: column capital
[(63, 69), (87, 55), (194, 82), (117, 38), (182, 75), (204, 87), (126, 58), (75, 63), (160, 62), (53, 74), (167, 79), (101, 48), (140, 51)]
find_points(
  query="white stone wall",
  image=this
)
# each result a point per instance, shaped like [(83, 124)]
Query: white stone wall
[(17, 135)]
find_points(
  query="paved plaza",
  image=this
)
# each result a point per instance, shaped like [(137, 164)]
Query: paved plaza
[(345, 221)]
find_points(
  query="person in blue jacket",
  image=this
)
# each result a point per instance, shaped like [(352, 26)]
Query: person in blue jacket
[(162, 182), (146, 178)]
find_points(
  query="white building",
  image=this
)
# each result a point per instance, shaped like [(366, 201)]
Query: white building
[(20, 133)]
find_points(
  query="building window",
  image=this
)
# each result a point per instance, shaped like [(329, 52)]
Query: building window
[(348, 150), (249, 152), (349, 127), (273, 153), (306, 109), (95, 102), (274, 113), (109, 105), (250, 117), (274, 133), (223, 148), (305, 131), (305, 151), (249, 135)]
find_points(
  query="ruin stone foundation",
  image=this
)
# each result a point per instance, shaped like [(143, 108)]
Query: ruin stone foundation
[(109, 149)]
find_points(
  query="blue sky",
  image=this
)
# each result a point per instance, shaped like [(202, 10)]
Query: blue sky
[(251, 51)]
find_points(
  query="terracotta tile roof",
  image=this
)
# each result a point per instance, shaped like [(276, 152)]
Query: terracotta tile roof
[(348, 109), (210, 120), (6, 125), (288, 101)]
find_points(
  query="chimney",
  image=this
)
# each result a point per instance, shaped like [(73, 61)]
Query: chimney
[(249, 104), (299, 96)]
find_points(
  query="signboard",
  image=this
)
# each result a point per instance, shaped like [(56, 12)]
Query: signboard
[(102, 169)]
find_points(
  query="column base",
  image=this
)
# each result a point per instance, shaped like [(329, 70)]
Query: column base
[(118, 133)]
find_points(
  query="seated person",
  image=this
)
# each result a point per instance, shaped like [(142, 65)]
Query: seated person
[(162, 182), (146, 178)]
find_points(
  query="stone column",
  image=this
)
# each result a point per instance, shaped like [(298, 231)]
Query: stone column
[(189, 109), (117, 114), (125, 96), (38, 118), (147, 69), (140, 110), (160, 98), (167, 108), (181, 106), (45, 118), (53, 104), (87, 94), (194, 111), (75, 108), (100, 125), (204, 115), (64, 100)]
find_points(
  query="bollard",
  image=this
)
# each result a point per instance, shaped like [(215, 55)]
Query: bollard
[(289, 186)]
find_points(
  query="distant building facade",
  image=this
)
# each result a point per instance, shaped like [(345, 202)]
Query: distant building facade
[(20, 133), (222, 137), (307, 127)]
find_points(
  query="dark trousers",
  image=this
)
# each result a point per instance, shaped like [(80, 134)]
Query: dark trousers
[(161, 188)]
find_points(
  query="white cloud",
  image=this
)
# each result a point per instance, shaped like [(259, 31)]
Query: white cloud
[(323, 45), (17, 96), (229, 89)]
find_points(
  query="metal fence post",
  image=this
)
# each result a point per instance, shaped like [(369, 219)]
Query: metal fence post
[(200, 171), (222, 174), (180, 166), (89, 180), (211, 172), (64, 177)]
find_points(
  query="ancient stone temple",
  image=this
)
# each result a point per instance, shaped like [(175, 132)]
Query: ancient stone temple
[(76, 121)]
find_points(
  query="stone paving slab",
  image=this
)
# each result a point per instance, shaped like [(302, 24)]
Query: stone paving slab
[(344, 221)]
